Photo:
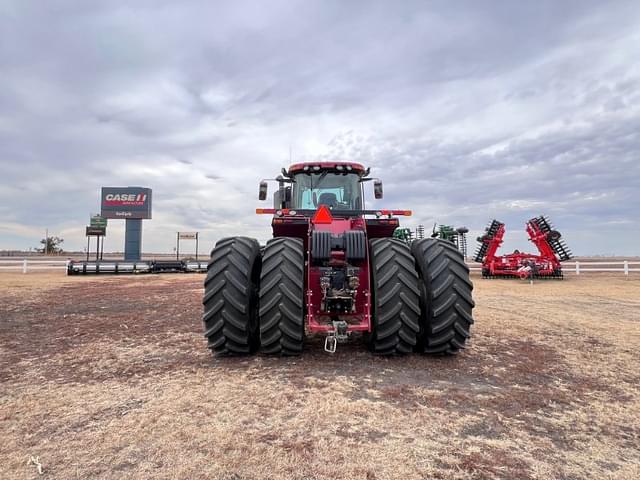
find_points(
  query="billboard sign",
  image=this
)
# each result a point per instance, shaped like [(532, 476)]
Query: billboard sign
[(96, 231), (98, 221), (125, 202), (187, 235)]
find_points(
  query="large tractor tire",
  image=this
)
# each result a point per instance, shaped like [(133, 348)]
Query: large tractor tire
[(446, 302), (231, 297), (282, 297), (395, 298)]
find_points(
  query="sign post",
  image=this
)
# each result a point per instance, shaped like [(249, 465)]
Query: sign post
[(186, 236), (99, 233)]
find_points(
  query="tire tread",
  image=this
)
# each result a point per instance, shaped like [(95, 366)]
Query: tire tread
[(447, 300), (282, 297), (395, 297), (230, 297)]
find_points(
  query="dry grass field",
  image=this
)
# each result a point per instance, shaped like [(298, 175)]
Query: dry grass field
[(110, 378)]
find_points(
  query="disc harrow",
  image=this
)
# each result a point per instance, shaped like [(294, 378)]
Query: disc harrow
[(546, 265), (537, 276), (490, 233), (554, 238)]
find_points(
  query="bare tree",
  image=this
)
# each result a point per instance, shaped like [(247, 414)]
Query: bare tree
[(51, 245)]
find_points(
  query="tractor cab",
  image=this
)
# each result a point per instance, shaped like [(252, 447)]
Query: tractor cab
[(336, 189), (336, 185)]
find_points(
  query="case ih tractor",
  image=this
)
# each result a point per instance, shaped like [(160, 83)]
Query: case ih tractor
[(552, 250), (333, 268)]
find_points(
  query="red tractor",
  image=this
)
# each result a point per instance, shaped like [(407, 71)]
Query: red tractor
[(552, 251), (332, 271)]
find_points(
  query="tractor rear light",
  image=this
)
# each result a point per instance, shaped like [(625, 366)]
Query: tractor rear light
[(285, 211), (316, 168), (306, 168), (293, 212), (349, 167), (388, 213)]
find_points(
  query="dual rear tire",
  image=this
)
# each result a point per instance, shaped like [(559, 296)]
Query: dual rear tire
[(239, 316), (446, 303), (282, 297), (231, 297), (395, 298), (421, 297)]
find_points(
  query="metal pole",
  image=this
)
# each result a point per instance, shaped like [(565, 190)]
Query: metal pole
[(24, 266), (626, 267), (102, 249), (46, 241), (88, 246), (577, 267), (178, 246), (133, 239), (97, 248), (197, 246)]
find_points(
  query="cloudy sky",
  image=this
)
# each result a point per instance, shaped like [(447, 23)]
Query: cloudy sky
[(467, 110)]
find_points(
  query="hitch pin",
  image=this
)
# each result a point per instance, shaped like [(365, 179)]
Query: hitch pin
[(330, 343)]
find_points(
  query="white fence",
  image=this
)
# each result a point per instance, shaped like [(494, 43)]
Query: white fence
[(580, 267), (31, 264), (26, 265), (624, 266)]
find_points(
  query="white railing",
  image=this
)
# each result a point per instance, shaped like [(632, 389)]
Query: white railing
[(624, 266), (27, 264), (578, 267)]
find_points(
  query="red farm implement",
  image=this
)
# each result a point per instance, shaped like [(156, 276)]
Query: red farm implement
[(547, 264), (334, 269)]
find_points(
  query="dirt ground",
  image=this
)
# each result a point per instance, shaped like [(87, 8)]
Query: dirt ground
[(109, 378)]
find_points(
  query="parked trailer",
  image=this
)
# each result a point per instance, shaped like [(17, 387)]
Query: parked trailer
[(127, 267)]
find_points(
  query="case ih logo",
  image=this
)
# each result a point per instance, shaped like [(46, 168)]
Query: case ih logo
[(125, 200)]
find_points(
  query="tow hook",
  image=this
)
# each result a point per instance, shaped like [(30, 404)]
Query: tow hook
[(338, 334)]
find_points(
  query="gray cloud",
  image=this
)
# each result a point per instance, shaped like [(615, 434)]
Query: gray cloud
[(466, 110)]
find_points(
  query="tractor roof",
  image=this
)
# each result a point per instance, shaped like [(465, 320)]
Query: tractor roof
[(320, 166)]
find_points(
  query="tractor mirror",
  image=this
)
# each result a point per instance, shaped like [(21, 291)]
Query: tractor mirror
[(377, 188), (262, 193)]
